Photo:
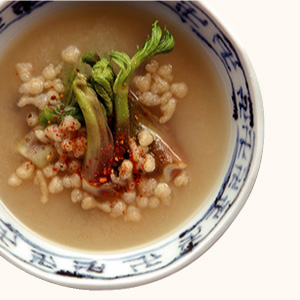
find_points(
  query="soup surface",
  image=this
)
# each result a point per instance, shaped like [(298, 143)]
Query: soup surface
[(200, 125)]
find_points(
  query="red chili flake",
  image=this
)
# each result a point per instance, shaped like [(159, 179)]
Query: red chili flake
[(53, 97), (136, 118), (90, 161), (52, 86), (145, 114), (86, 167)]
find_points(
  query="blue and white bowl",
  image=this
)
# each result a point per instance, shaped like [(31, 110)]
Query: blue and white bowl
[(45, 260)]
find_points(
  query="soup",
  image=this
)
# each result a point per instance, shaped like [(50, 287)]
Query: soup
[(199, 125)]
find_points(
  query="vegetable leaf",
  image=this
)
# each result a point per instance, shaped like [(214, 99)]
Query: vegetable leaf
[(100, 148), (148, 48), (55, 114), (166, 43), (103, 78), (90, 58)]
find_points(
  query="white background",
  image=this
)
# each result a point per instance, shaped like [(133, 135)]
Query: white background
[(258, 257)]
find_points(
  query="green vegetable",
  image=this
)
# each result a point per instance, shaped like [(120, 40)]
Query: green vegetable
[(121, 92), (90, 58), (157, 43), (103, 78), (70, 98), (100, 149), (55, 114)]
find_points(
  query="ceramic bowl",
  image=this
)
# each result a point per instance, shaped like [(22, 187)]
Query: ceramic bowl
[(70, 268)]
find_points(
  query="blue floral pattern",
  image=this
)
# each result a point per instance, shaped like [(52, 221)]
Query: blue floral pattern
[(15, 243), (15, 11)]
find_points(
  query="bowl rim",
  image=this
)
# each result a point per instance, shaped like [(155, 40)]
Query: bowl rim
[(222, 225)]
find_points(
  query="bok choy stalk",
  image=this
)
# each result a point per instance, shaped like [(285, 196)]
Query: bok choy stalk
[(159, 42), (100, 149)]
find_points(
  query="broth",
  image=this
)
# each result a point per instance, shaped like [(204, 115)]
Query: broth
[(200, 125)]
